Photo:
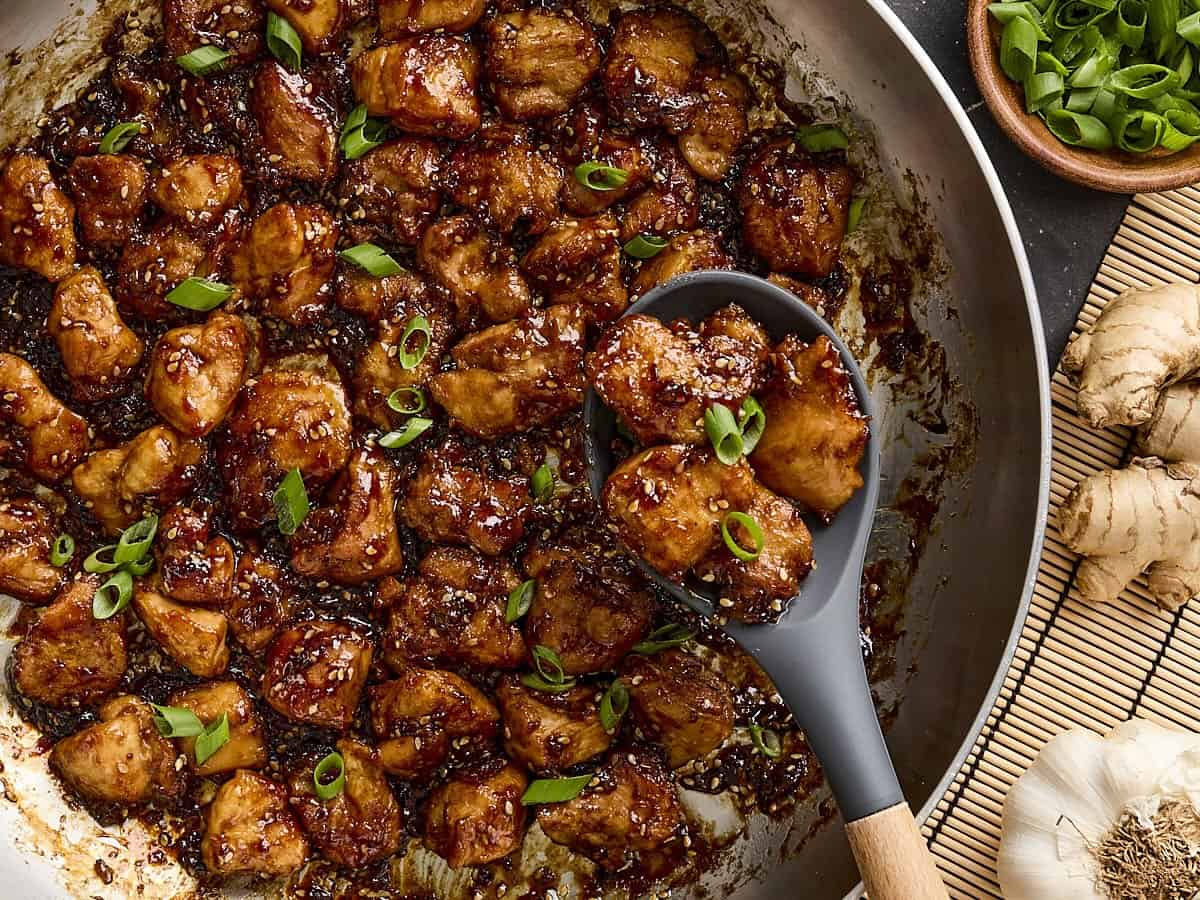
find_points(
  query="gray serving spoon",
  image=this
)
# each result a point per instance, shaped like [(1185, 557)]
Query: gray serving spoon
[(813, 653)]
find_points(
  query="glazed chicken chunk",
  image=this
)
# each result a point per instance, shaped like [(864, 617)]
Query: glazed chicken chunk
[(68, 657), (110, 192), (718, 126), (286, 261), (661, 379), (630, 807), (579, 261), (550, 732), (122, 758), (316, 21), (98, 350), (153, 264), (416, 717), (480, 276), (246, 747), (538, 60), (670, 204), (376, 299), (199, 190), (299, 139), (362, 823), (248, 827), (504, 178), (196, 565), (516, 376), (393, 191), (262, 598), (426, 84), (37, 220), (795, 207), (192, 636), (27, 532), (316, 673), (816, 434), (585, 137), (689, 252), (235, 26), (398, 18), (196, 372), (477, 816), (353, 539), (452, 612), (52, 437)]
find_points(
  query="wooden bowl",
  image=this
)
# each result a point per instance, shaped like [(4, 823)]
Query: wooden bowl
[(1111, 170)]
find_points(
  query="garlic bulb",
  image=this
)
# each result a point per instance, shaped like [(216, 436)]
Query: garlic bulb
[(1105, 817)]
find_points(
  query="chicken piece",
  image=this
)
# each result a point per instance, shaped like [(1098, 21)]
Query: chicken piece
[(317, 22), (450, 500), (629, 808), (249, 828), (110, 191), (516, 376), (37, 220), (477, 816), (375, 299), (452, 612), (550, 732), (158, 466), (316, 673), (286, 261), (719, 125), (583, 136), (588, 609), (678, 703), (654, 65), (795, 207), (53, 437), (579, 261), (670, 204), (353, 539), (27, 532), (98, 350), (661, 379), (68, 657), (262, 599), (393, 191), (195, 564), (666, 501), (199, 190), (122, 758), (192, 636), (196, 372), (299, 139), (816, 434), (359, 826), (398, 18), (504, 179), (690, 252), (293, 416), (538, 60), (245, 748), (426, 84), (480, 274), (237, 27), (415, 717), (154, 264)]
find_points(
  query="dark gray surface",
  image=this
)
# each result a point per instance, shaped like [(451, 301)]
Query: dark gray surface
[(1066, 228)]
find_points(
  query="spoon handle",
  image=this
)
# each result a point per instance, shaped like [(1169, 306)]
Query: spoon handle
[(893, 858)]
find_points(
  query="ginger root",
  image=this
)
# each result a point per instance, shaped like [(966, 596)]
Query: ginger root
[(1173, 432), (1128, 521), (1143, 341)]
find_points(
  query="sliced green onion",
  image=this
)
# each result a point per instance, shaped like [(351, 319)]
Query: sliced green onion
[(1081, 101), (283, 41), (199, 294), (766, 741), (415, 402), (1078, 129), (62, 550), (1006, 12), (1074, 15), (1162, 23), (821, 138), (118, 137), (135, 540), (1018, 49), (600, 177), (756, 535), (548, 664), (613, 705), (413, 429), (554, 790), (536, 682), (361, 134), (723, 433), (1139, 131), (176, 722), (1042, 89), (752, 422), (1144, 81), (664, 638), (374, 259), (1182, 129), (1188, 28), (325, 782), (1107, 105), (139, 567), (542, 483), (214, 736), (645, 246), (291, 502), (203, 60), (1092, 72), (520, 599), (99, 566), (1131, 23), (112, 596), (418, 325), (1048, 62), (854, 217)]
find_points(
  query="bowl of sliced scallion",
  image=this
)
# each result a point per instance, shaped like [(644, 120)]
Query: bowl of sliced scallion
[(1105, 93)]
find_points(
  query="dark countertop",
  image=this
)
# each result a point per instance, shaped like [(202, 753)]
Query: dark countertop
[(1066, 228)]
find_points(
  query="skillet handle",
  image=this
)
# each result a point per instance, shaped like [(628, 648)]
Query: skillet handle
[(893, 858)]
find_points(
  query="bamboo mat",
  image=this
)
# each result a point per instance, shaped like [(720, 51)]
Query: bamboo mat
[(1080, 665)]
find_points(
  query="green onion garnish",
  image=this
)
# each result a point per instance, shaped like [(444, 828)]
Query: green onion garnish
[(413, 429), (1079, 130), (139, 567), (613, 705), (549, 664), (203, 60), (538, 683), (600, 177), (1018, 49), (542, 483), (417, 325), (645, 246), (135, 541), (520, 599), (724, 433), (326, 783), (112, 596), (858, 206), (664, 638), (291, 502), (176, 722), (118, 137), (283, 41), (362, 134), (756, 535), (766, 741), (752, 422), (554, 790), (97, 565), (199, 294), (62, 550), (1138, 132), (214, 736), (373, 258), (821, 138), (408, 401)]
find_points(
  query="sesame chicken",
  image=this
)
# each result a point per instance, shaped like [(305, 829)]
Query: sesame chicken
[(586, 137), (261, 600), (190, 24), (199, 190), (579, 261), (98, 349), (110, 192), (689, 252), (153, 264), (549, 732), (37, 220), (476, 817), (718, 127), (427, 84), (50, 438), (480, 276), (296, 132), (393, 191), (246, 747), (195, 563), (376, 299), (286, 261), (398, 18), (317, 22), (669, 205), (502, 176), (248, 828), (316, 672), (192, 636), (27, 531)]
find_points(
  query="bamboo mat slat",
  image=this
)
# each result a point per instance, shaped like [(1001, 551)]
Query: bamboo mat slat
[(1078, 665)]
